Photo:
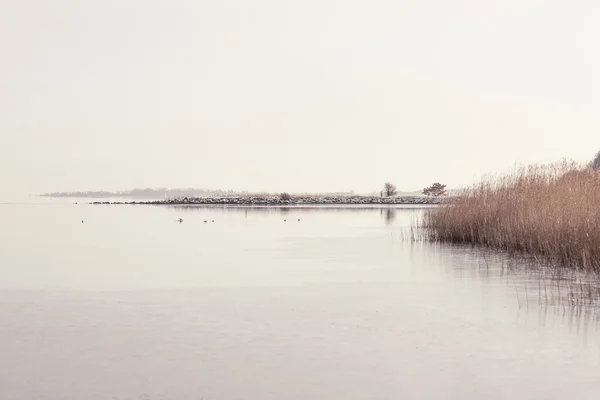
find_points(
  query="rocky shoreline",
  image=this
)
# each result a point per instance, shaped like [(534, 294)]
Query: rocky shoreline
[(293, 201)]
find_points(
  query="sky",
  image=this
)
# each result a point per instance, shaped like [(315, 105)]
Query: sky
[(297, 96)]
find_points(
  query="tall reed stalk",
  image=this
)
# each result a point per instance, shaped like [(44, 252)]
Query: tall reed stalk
[(551, 212)]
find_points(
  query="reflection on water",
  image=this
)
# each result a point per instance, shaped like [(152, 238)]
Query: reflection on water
[(337, 305), (549, 286), (321, 209), (389, 215)]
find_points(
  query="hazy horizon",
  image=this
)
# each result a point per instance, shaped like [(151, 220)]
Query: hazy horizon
[(275, 95)]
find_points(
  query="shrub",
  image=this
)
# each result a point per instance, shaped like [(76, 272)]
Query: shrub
[(436, 190), (595, 164)]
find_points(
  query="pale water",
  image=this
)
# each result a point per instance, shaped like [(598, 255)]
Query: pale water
[(131, 304)]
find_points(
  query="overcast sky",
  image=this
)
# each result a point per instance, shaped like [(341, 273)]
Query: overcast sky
[(292, 95)]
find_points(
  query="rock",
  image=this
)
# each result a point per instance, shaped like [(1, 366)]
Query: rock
[(296, 200)]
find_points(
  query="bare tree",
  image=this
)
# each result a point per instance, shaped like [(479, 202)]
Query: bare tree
[(436, 190), (389, 189)]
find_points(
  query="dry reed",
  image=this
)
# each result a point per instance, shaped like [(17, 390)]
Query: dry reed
[(550, 212)]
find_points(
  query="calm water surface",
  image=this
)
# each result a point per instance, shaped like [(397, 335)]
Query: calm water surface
[(132, 305)]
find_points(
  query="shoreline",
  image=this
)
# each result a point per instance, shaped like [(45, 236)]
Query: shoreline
[(276, 201)]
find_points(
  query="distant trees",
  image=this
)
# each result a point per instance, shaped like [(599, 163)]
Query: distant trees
[(96, 194), (389, 189), (285, 196), (436, 190)]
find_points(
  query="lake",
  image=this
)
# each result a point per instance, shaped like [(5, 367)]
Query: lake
[(333, 303)]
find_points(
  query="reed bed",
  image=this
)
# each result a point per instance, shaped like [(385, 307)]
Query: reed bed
[(550, 213)]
